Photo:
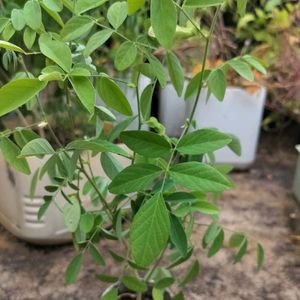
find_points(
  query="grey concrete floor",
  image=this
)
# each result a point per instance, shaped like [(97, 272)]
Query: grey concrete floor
[(261, 205)]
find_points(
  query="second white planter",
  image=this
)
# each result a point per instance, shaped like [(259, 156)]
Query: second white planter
[(240, 114)]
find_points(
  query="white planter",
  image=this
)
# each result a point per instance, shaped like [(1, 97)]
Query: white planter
[(240, 114), (18, 212), (296, 186)]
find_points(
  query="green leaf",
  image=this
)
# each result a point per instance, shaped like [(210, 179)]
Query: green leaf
[(79, 72), (203, 141), (194, 84), (236, 240), (73, 269), (3, 23), (55, 5), (191, 275), (113, 96), (134, 284), (180, 197), (29, 37), (95, 254), (125, 56), (242, 251), (96, 41), (43, 209), (117, 13), (260, 256), (33, 14), (87, 222), (33, 184), (53, 14), (175, 72), (134, 5), (115, 132), (57, 51), (8, 32), (178, 235), (157, 294), (217, 244), (179, 296), (199, 177), (164, 21), (97, 146), (134, 178), (203, 3), (255, 63), (85, 92), (11, 47), (54, 76), (37, 147), (17, 19), (235, 145), (150, 231), (85, 5), (110, 294), (76, 27), (146, 101), (242, 6), (18, 92), (217, 84), (210, 234), (110, 165), (242, 68), (71, 213), (105, 114), (158, 69), (146, 143), (11, 154), (205, 207), (106, 278), (162, 278)]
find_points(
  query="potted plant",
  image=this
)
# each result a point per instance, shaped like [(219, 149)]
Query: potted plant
[(158, 197)]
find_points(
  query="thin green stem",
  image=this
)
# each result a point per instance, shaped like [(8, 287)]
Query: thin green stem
[(150, 273), (91, 180), (123, 36), (227, 229), (207, 44), (191, 20), (22, 118), (173, 154), (138, 102), (41, 106)]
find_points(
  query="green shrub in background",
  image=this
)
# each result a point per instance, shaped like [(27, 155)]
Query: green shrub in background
[(157, 198)]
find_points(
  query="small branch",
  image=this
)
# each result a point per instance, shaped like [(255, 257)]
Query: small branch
[(103, 201)]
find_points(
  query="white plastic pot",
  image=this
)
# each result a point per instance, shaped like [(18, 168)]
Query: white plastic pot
[(296, 186), (18, 212), (240, 114)]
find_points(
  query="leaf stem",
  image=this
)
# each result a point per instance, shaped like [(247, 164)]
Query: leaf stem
[(102, 199), (138, 102), (207, 44), (191, 20)]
